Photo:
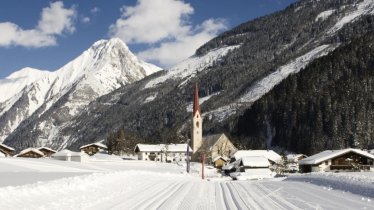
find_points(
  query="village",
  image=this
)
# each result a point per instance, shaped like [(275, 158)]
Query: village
[(218, 152)]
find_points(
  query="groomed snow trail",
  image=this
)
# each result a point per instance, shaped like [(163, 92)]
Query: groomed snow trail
[(136, 189)]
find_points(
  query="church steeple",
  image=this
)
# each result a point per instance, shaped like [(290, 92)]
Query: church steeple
[(196, 106), (197, 122)]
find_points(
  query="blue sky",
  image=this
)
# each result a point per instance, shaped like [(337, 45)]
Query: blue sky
[(46, 34)]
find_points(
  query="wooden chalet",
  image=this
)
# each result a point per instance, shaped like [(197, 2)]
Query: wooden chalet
[(6, 151), (93, 148), (47, 151), (30, 153), (338, 160)]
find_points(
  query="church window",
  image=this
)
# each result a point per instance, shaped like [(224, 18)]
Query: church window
[(197, 124)]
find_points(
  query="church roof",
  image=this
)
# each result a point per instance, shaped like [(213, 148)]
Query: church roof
[(196, 106), (211, 140)]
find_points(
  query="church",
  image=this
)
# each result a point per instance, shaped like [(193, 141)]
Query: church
[(217, 148)]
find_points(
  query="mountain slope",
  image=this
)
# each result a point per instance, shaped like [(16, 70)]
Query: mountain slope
[(233, 71), (329, 105), (104, 67)]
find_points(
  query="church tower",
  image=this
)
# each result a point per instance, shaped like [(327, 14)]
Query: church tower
[(197, 123)]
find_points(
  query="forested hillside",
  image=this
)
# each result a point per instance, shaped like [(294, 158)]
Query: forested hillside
[(328, 105)]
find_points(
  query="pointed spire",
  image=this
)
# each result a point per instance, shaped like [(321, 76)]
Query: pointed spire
[(196, 106)]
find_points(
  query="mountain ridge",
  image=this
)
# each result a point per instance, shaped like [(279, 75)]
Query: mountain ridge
[(105, 66)]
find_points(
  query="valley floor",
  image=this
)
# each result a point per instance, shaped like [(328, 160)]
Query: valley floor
[(126, 184)]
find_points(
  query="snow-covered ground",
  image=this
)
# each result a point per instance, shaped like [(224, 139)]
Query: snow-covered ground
[(114, 183)]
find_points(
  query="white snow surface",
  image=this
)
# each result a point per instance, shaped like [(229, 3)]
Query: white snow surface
[(190, 66), (363, 8), (263, 86), (324, 15), (118, 184)]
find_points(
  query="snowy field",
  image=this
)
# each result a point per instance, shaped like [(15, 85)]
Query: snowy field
[(130, 184)]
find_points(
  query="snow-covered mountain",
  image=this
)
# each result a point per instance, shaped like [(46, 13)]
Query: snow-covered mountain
[(104, 67), (234, 70)]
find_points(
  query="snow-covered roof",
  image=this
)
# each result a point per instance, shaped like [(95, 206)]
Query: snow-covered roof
[(329, 154), (149, 147), (255, 161), (99, 144), (66, 152), (212, 140), (162, 147), (46, 148), (178, 148), (220, 157), (7, 147), (294, 157), (269, 154), (30, 150)]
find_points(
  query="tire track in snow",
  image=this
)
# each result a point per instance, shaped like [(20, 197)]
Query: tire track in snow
[(253, 198), (152, 197), (227, 197), (219, 197), (189, 202), (174, 201), (124, 195), (276, 198)]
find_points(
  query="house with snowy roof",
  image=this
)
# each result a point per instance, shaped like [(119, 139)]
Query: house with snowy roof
[(67, 155), (336, 160), (273, 157), (6, 151), (93, 148), (162, 152), (30, 153), (251, 167), (47, 151)]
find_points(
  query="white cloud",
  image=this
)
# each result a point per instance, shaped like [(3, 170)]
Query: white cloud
[(169, 53), (151, 21), (86, 19), (95, 10), (165, 25), (55, 20)]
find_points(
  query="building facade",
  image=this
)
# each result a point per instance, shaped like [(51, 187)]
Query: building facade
[(197, 123), (338, 160), (162, 152)]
